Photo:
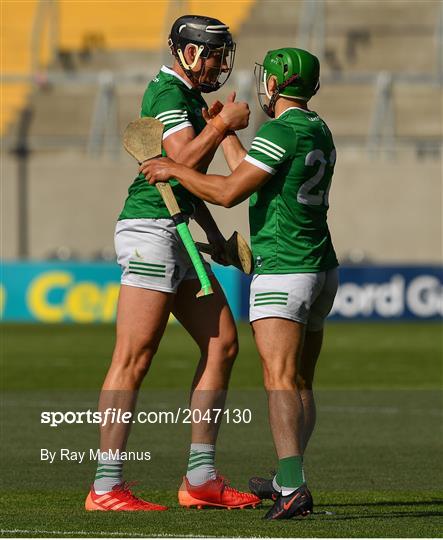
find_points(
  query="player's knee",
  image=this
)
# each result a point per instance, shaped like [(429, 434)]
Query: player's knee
[(227, 355), (134, 360), (230, 349), (225, 351), (279, 379), (140, 364)]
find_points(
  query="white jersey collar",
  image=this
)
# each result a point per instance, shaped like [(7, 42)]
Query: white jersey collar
[(290, 108), (170, 71)]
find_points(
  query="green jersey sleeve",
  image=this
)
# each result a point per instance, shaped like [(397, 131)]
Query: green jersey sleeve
[(269, 149), (170, 107)]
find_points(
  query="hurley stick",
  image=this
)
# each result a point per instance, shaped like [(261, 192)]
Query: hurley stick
[(236, 252), (143, 140)]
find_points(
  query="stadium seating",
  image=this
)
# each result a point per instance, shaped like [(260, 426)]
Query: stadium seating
[(377, 36), (374, 35), (143, 26), (418, 111), (358, 34), (16, 29), (362, 37), (115, 27)]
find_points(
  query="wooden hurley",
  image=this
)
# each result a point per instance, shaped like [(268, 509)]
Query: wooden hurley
[(143, 140)]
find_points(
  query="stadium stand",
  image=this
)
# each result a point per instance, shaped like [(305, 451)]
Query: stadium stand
[(361, 38), (140, 27), (374, 35), (84, 24), (357, 34), (16, 29), (90, 39)]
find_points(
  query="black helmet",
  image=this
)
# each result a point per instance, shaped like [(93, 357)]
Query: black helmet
[(209, 36)]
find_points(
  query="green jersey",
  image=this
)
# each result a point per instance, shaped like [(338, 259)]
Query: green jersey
[(174, 102), (289, 231)]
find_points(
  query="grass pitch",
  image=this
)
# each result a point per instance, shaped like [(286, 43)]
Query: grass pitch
[(373, 465)]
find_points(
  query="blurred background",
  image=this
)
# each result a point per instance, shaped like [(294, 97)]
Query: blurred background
[(73, 75)]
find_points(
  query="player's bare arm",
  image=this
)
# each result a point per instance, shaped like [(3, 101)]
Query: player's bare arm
[(224, 191), (233, 149), (197, 151)]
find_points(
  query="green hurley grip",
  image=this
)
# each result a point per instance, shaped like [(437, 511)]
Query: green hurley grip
[(186, 237)]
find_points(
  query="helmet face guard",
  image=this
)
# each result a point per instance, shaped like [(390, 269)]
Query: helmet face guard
[(227, 55), (211, 38), (261, 78), (262, 88)]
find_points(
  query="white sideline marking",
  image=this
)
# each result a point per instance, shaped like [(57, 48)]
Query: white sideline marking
[(69, 533), (100, 534)]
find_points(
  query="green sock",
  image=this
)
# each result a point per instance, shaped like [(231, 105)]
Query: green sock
[(290, 473)]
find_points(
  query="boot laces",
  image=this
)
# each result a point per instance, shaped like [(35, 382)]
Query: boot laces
[(227, 488), (126, 494)]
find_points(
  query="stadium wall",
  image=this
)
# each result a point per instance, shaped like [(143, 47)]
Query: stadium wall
[(53, 292)]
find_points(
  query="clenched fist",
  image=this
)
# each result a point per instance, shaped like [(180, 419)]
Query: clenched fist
[(235, 114)]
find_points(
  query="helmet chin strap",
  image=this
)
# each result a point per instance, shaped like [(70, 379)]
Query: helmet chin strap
[(270, 109), (187, 68), (194, 63)]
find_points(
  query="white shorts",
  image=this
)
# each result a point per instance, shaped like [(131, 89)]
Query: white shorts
[(152, 255), (305, 298)]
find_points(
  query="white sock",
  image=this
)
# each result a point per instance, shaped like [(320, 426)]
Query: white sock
[(109, 474), (201, 466), (275, 485)]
